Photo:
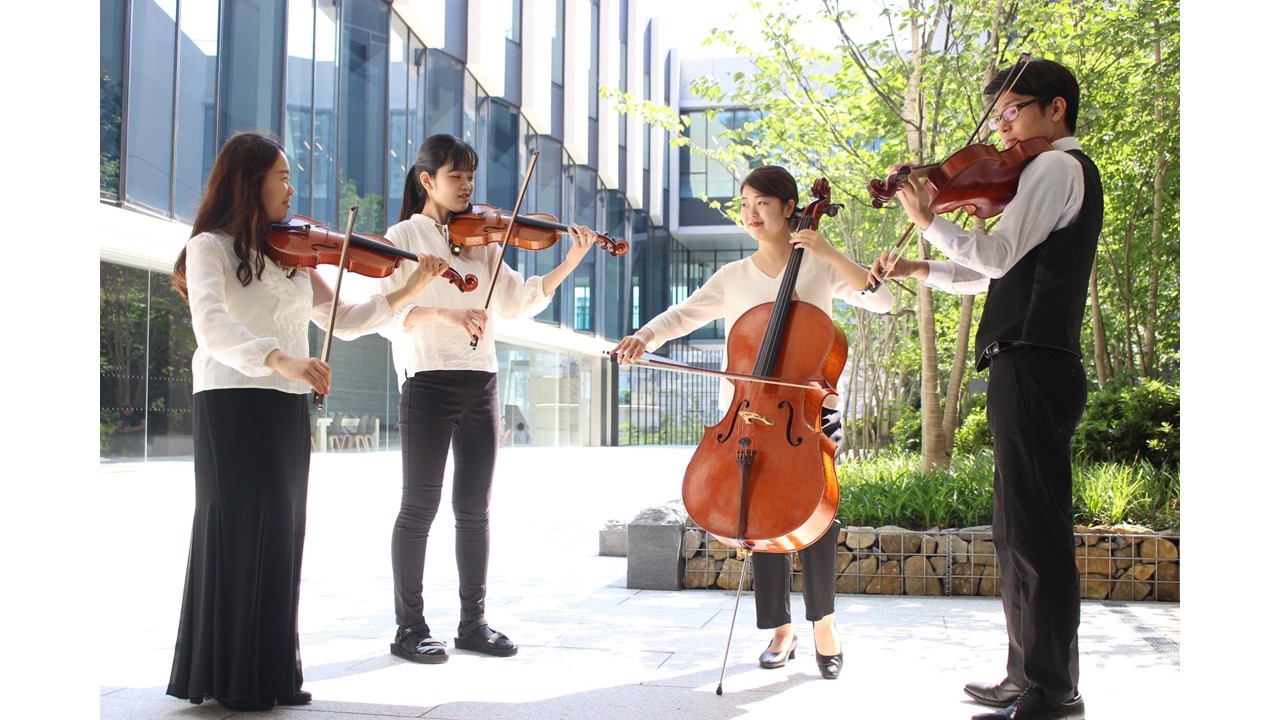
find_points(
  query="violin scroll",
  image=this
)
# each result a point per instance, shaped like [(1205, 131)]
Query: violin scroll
[(882, 191)]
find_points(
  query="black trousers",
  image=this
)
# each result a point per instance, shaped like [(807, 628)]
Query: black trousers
[(238, 633), (773, 581), (1035, 399), (439, 410), (773, 570)]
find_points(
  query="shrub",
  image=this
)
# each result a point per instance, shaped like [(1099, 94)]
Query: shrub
[(1130, 423), (907, 430), (975, 433)]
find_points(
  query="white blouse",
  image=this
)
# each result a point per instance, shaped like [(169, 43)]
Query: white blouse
[(739, 286), (238, 326), (437, 346)]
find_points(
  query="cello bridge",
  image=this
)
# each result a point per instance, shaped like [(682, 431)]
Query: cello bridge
[(748, 417)]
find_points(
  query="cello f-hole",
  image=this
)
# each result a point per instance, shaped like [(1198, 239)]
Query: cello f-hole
[(733, 423), (791, 416)]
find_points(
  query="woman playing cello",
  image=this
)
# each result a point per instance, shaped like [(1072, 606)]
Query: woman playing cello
[(769, 199)]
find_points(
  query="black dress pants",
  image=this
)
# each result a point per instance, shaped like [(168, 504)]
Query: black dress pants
[(1035, 399), (439, 410), (773, 570), (773, 581)]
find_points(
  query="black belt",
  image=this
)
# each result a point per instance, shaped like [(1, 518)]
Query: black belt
[(1000, 346)]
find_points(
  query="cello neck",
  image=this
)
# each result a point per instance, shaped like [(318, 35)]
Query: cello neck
[(772, 339)]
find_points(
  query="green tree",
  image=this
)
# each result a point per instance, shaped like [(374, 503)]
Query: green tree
[(913, 93)]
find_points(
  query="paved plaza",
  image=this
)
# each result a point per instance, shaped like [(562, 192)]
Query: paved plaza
[(589, 646)]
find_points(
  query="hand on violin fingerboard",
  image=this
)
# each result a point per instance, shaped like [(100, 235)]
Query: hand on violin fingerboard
[(915, 201), (583, 239)]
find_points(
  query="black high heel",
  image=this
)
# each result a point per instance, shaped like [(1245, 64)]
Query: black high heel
[(774, 660), (830, 665)]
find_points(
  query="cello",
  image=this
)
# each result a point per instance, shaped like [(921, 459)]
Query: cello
[(763, 478)]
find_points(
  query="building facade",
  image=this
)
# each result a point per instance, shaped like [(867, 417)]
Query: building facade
[(352, 87)]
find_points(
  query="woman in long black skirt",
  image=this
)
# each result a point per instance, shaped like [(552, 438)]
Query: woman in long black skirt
[(251, 376)]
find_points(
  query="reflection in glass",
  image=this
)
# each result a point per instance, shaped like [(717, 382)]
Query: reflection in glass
[(364, 101), (299, 74), (400, 153), (324, 145), (252, 73), (444, 94), (111, 87), (197, 71), (149, 132), (146, 345), (545, 396)]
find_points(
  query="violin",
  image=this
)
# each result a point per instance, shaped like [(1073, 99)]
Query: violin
[(299, 241), (484, 224), (978, 178)]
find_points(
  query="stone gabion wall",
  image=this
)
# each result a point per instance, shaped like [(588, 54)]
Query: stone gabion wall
[(1115, 563)]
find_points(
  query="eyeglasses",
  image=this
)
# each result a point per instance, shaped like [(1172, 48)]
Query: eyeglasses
[(1010, 113)]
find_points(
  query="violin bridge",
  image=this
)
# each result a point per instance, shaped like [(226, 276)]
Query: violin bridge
[(749, 417)]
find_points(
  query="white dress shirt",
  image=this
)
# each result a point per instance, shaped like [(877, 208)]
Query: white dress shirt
[(739, 286), (437, 346), (238, 326), (1050, 194)]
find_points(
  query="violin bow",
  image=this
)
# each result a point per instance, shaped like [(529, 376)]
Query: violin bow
[(316, 398), (506, 237), (649, 361)]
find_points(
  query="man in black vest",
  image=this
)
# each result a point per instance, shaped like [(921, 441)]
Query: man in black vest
[(1035, 267)]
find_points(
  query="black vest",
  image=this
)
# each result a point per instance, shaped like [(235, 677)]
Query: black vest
[(1041, 300)]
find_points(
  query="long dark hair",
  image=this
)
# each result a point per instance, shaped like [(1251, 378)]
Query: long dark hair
[(775, 181), (232, 203), (436, 152)]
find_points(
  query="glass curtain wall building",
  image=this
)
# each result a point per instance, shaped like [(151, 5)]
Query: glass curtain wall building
[(352, 87)]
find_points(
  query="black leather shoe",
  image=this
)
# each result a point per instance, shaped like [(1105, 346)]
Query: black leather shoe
[(419, 647), (774, 660), (830, 665), (1001, 694), (1032, 704)]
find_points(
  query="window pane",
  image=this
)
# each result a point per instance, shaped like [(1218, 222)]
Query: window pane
[(324, 156), (111, 85), (364, 102), (299, 73), (444, 94), (399, 155), (149, 165), (252, 67), (197, 73)]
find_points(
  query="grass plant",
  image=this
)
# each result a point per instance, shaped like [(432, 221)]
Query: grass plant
[(889, 489)]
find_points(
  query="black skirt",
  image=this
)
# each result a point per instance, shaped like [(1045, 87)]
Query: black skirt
[(238, 633)]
